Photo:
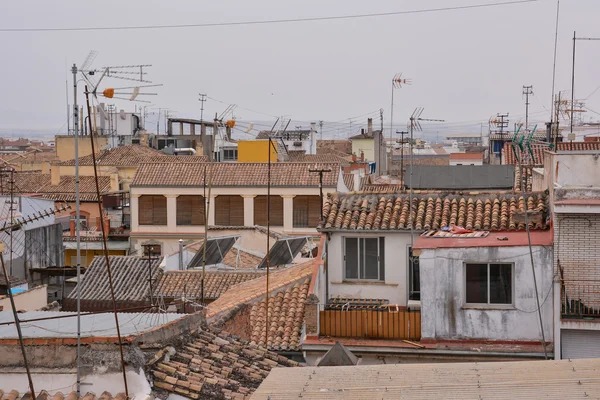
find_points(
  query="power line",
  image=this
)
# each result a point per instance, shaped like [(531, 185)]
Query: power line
[(272, 21)]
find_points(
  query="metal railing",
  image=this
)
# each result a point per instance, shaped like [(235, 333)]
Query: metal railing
[(580, 299)]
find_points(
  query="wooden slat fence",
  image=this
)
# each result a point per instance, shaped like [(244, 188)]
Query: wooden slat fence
[(372, 324)]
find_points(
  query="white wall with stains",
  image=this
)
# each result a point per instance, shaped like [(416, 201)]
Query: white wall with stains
[(445, 315)]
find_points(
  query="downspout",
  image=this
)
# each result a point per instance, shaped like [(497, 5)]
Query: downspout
[(326, 264)]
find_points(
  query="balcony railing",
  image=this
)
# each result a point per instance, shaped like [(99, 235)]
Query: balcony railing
[(580, 299), (371, 324)]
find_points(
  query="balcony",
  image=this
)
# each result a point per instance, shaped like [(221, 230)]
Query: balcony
[(580, 299), (369, 321)]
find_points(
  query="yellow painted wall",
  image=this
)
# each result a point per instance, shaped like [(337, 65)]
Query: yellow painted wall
[(89, 255), (367, 146), (255, 151), (65, 146)]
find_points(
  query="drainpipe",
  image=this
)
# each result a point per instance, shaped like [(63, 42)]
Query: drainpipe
[(326, 267), (181, 254)]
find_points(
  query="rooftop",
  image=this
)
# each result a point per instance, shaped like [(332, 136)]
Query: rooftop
[(488, 211), (251, 291), (299, 134), (214, 367), (365, 135), (493, 239), (37, 183), (130, 277), (572, 379), (189, 283), (52, 395), (299, 156), (508, 156), (185, 174), (128, 156), (466, 156), (95, 326), (462, 177)]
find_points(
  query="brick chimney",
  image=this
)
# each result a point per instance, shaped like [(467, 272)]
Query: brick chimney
[(362, 156), (354, 158), (370, 126), (311, 315)]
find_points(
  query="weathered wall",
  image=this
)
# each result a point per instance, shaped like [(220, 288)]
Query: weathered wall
[(31, 300), (577, 245), (44, 247), (239, 323), (65, 146), (444, 314), (395, 286), (366, 146)]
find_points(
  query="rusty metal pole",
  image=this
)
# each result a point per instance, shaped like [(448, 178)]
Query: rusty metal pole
[(268, 243), (17, 323), (104, 244)]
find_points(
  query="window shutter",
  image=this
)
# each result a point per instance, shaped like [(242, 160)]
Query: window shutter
[(229, 210), (160, 210), (300, 212), (314, 211), (145, 207), (190, 210), (261, 209), (198, 210)]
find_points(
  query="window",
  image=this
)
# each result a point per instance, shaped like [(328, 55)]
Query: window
[(190, 210), (229, 210), (152, 210), (364, 259), (307, 211), (230, 155), (260, 211), (489, 283), (414, 276)]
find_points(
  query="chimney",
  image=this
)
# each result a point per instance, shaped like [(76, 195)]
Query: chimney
[(72, 227), (356, 179), (55, 175), (362, 156), (362, 132), (45, 167), (114, 182), (370, 126), (354, 158)]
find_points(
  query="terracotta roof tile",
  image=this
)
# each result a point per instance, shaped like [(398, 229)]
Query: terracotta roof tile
[(487, 211), (296, 156), (177, 283), (286, 317), (32, 157), (249, 291), (466, 156), (349, 182), (284, 174), (36, 183), (130, 156), (52, 395), (214, 367)]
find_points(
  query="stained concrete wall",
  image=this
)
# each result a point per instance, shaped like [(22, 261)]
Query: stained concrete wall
[(395, 286), (31, 300), (445, 315)]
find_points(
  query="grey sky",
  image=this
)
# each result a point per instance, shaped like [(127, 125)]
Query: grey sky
[(466, 65)]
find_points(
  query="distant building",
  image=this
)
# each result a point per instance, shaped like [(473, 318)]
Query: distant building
[(466, 159)]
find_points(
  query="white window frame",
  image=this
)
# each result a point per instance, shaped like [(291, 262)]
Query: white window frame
[(361, 260), (488, 304)]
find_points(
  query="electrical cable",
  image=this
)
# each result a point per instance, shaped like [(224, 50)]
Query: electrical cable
[(272, 21)]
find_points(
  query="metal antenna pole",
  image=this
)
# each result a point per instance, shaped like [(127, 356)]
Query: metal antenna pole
[(573, 85), (104, 244), (527, 90), (268, 242), (17, 323), (402, 133), (554, 71), (77, 223), (202, 100)]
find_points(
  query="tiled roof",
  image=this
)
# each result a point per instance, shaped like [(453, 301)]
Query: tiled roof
[(249, 291), (125, 156), (130, 276), (319, 158), (13, 281), (384, 188), (52, 395), (245, 260), (32, 157), (285, 174), (488, 211), (508, 156), (36, 183), (286, 317), (365, 135), (466, 156), (527, 173), (177, 283), (214, 367)]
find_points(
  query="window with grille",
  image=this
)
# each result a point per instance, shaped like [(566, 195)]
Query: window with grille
[(230, 155), (414, 276), (307, 211), (190, 210), (364, 258), (152, 210), (229, 210), (489, 283), (261, 209)]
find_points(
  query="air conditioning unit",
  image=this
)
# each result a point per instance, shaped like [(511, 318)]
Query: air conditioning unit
[(297, 144)]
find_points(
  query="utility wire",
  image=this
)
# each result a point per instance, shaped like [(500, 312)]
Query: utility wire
[(272, 21)]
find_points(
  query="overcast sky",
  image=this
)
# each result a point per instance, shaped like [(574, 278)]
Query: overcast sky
[(466, 65)]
